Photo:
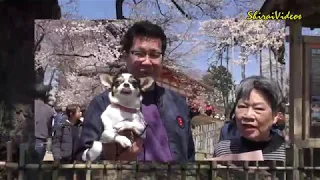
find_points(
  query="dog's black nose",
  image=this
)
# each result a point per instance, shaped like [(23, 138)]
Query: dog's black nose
[(126, 85)]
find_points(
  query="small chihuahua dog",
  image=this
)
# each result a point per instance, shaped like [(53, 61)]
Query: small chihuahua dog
[(124, 111)]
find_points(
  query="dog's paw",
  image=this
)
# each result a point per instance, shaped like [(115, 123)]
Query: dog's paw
[(95, 151), (107, 136), (137, 131), (123, 141), (122, 129), (122, 126)]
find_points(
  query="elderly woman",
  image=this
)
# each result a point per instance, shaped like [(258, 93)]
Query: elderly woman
[(258, 101)]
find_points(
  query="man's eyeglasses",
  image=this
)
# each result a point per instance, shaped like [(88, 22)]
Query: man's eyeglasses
[(142, 54)]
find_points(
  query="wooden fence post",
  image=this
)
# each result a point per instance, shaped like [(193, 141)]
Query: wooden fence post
[(22, 161), (9, 159), (88, 173)]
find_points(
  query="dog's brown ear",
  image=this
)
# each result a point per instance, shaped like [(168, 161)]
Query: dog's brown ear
[(146, 83), (106, 80)]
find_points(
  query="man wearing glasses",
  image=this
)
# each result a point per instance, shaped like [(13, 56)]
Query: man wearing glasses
[(168, 134)]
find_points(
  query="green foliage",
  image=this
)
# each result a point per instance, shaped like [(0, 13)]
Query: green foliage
[(5, 127), (5, 119), (220, 78)]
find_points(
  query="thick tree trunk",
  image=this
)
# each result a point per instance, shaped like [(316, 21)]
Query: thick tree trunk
[(270, 63), (227, 58), (260, 62), (221, 58), (243, 66), (243, 71), (17, 69), (110, 69), (281, 77), (277, 68), (119, 9)]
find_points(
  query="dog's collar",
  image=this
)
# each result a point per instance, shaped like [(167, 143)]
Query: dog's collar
[(126, 109)]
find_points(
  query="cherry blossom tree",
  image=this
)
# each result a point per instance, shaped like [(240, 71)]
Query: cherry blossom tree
[(248, 36), (79, 50), (197, 91), (174, 14), (184, 9), (179, 19), (169, 10)]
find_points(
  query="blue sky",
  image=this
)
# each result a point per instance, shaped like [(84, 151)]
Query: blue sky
[(105, 9)]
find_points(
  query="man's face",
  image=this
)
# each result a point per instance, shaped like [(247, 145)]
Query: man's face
[(145, 57)]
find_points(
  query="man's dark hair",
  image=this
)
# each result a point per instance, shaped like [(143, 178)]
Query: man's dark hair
[(267, 86), (282, 107), (83, 109), (72, 109), (143, 29), (41, 91)]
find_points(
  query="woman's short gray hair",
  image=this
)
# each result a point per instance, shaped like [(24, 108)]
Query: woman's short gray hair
[(267, 86)]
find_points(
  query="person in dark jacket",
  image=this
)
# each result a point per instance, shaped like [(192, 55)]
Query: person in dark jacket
[(280, 126), (168, 134), (194, 110), (209, 110), (43, 120), (66, 135)]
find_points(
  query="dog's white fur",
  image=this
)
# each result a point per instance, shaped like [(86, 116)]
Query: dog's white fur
[(115, 119)]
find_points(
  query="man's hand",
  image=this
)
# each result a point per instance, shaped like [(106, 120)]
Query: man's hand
[(114, 151), (123, 141), (56, 162)]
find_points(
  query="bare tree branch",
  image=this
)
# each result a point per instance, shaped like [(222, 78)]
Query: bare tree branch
[(75, 55), (38, 41), (136, 3), (180, 9), (181, 42), (197, 5), (111, 68), (158, 5)]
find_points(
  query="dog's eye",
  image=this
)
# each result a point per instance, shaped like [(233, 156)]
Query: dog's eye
[(135, 83), (117, 83)]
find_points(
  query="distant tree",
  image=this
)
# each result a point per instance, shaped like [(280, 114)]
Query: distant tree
[(249, 37), (220, 78), (169, 9), (78, 51)]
